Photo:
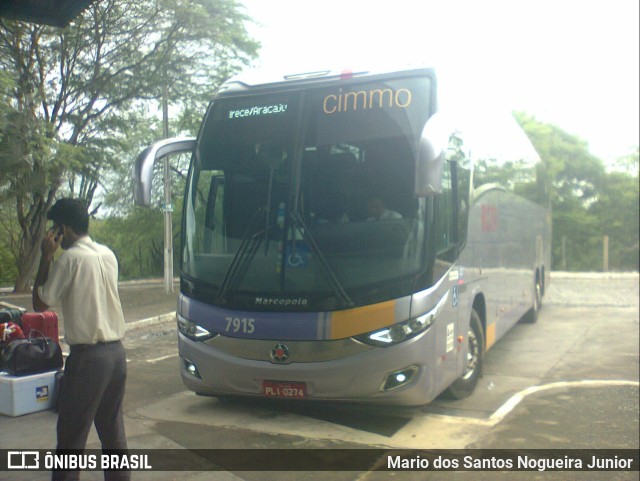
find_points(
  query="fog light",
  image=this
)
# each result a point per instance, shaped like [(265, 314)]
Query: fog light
[(191, 369), (399, 378)]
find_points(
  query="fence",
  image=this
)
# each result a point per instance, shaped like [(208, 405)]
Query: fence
[(596, 253)]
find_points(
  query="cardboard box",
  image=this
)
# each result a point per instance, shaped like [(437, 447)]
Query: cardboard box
[(26, 394)]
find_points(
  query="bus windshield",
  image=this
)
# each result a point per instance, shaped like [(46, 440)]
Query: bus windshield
[(305, 199)]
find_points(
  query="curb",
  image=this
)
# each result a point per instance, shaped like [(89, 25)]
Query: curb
[(593, 275), (151, 321), (131, 282), (132, 327)]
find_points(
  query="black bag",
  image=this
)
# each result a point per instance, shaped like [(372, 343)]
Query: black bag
[(34, 355), (57, 391), (9, 314)]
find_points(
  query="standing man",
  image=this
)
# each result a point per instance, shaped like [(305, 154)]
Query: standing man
[(84, 282)]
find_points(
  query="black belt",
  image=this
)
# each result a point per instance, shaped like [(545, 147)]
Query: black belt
[(84, 347)]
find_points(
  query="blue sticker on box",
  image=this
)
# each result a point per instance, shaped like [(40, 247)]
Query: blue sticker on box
[(42, 394)]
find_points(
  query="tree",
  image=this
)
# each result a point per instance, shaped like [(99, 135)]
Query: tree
[(617, 213), (74, 86), (9, 237), (570, 170), (629, 164), (136, 241), (586, 201), (572, 177)]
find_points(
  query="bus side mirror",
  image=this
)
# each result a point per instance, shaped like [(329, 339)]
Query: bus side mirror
[(143, 168), (431, 152)]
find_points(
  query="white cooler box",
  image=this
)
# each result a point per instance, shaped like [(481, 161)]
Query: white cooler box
[(26, 394)]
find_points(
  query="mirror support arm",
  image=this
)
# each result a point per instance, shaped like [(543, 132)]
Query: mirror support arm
[(431, 152), (143, 167)]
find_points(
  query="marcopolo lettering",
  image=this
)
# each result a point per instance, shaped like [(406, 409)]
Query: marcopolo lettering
[(271, 301), (366, 99)]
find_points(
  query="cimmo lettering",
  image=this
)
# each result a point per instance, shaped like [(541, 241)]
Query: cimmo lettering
[(353, 101)]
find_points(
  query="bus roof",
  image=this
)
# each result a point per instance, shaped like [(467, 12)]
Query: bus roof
[(263, 78)]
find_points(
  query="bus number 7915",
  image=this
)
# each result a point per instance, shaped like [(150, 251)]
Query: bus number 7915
[(244, 325)]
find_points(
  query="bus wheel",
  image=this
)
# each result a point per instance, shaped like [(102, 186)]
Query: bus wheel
[(466, 384), (531, 317)]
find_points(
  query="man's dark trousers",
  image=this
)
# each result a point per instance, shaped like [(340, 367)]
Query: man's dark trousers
[(93, 392)]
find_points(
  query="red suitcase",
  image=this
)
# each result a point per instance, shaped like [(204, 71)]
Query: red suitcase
[(45, 322)]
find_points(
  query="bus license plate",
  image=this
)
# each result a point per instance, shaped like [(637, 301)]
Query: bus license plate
[(286, 390)]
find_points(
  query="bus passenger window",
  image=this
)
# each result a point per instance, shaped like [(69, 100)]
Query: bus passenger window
[(446, 217), (443, 213)]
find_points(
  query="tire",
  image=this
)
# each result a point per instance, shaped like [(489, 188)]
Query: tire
[(466, 384), (531, 317)]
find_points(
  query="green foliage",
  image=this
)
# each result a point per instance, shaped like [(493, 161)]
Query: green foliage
[(9, 230), (587, 203), (137, 240), (630, 164), (70, 97), (78, 104), (617, 213), (571, 172), (205, 43)]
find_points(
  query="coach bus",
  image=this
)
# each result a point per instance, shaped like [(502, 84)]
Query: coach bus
[(344, 239)]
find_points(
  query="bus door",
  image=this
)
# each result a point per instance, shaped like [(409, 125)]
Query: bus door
[(450, 221), (448, 275)]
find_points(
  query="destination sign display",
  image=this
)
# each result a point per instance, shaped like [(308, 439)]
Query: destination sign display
[(257, 111)]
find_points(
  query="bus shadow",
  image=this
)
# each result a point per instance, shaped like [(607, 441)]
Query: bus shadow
[(381, 420)]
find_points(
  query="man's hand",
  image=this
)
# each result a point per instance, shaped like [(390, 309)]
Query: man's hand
[(51, 243)]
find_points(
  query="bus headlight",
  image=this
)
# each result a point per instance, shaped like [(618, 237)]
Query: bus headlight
[(192, 330), (398, 332), (403, 331)]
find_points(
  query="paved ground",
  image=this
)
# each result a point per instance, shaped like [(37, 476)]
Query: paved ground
[(569, 381), (140, 300)]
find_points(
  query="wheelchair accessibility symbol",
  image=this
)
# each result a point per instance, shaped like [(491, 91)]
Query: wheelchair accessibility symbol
[(297, 256)]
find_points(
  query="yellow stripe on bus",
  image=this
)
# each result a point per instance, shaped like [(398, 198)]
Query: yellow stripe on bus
[(491, 336), (362, 319)]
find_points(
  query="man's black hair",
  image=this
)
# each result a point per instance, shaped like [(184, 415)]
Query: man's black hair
[(72, 213)]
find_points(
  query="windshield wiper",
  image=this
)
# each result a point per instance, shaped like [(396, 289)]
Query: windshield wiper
[(249, 247), (246, 252), (334, 282), (297, 219), (268, 212), (249, 244)]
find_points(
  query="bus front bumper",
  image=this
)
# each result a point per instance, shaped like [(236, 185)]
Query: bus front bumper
[(396, 375)]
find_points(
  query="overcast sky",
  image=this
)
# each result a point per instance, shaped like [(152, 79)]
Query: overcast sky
[(573, 63)]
